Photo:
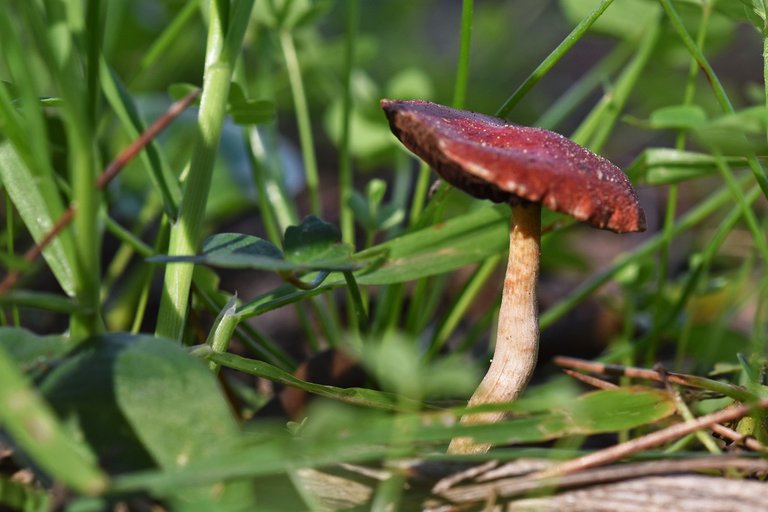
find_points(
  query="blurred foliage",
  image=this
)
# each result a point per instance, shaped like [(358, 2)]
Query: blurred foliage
[(398, 307)]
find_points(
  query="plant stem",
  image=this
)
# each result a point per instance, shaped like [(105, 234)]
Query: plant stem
[(552, 59), (225, 328), (346, 219), (186, 231), (302, 119), (462, 303), (462, 68), (597, 127)]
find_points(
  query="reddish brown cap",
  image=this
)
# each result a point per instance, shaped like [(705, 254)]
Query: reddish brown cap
[(490, 158)]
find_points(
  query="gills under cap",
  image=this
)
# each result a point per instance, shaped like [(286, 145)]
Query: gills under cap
[(490, 158)]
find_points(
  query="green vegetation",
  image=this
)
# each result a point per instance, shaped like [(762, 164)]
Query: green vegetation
[(277, 223)]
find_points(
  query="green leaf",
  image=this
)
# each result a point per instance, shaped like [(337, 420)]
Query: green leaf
[(625, 19), (314, 240), (309, 251), (446, 246), (81, 389), (180, 90), (593, 413), (664, 166), (28, 350), (248, 112), (678, 117), (175, 407), (41, 300), (738, 133), (222, 246), (39, 213), (34, 428)]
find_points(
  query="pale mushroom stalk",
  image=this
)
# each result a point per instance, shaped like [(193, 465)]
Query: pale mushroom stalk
[(517, 335)]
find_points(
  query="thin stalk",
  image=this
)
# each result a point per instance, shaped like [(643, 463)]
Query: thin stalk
[(302, 120), (161, 240), (388, 308), (552, 59), (357, 317), (83, 166), (221, 336), (259, 170), (10, 233), (265, 348), (346, 219), (361, 316), (580, 90), (597, 127), (462, 303), (186, 231), (699, 270), (420, 193), (671, 209), (173, 31), (306, 324), (462, 67), (758, 235), (765, 65)]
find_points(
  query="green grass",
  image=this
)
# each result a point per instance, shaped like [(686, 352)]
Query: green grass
[(111, 341)]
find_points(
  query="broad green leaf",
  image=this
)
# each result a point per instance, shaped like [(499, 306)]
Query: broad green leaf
[(624, 19), (38, 213), (233, 250), (739, 133), (248, 112), (163, 391), (663, 166), (34, 428), (678, 117), (28, 350), (751, 10), (175, 407), (397, 364), (446, 246), (81, 388), (314, 240)]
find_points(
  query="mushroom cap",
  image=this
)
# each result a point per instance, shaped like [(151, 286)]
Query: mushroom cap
[(490, 158)]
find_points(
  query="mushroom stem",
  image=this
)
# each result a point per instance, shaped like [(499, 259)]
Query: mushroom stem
[(517, 335)]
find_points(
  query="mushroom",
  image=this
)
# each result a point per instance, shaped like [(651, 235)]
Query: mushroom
[(525, 167)]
